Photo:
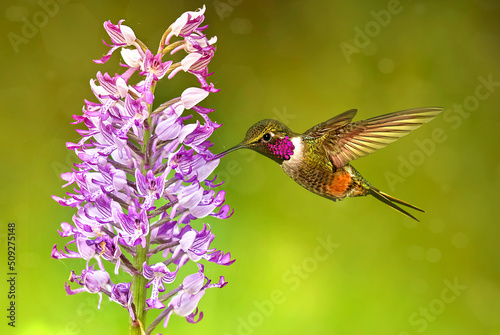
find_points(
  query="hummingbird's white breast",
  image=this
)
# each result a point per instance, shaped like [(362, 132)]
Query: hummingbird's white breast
[(298, 153)]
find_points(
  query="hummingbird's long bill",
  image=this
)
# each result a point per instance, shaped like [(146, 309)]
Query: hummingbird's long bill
[(236, 147)]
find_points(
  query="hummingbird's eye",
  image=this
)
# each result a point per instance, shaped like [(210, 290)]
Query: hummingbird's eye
[(266, 137)]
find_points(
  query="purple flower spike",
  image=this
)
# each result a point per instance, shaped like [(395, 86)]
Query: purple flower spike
[(145, 178)]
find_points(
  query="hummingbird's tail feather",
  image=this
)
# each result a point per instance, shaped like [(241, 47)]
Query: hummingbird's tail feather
[(399, 201), (389, 200)]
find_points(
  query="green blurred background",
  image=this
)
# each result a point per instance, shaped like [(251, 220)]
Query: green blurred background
[(302, 63)]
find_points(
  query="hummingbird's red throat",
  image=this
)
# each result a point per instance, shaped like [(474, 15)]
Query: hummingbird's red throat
[(282, 148)]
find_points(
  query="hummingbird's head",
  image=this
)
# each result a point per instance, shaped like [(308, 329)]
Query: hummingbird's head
[(270, 138)]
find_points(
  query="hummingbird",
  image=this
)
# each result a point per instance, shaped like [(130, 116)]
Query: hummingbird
[(319, 159)]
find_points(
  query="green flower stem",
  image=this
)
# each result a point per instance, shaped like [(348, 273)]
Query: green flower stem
[(138, 288)]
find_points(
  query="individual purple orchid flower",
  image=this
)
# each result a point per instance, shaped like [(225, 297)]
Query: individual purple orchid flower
[(134, 227), (121, 36), (154, 70), (192, 284), (158, 275), (121, 294), (144, 177), (186, 24), (192, 290), (92, 281), (150, 187), (185, 304)]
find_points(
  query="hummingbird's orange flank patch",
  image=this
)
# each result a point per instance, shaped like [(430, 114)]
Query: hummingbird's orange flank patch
[(342, 181)]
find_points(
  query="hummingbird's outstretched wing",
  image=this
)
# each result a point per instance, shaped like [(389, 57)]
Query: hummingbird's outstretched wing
[(335, 122), (353, 140)]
